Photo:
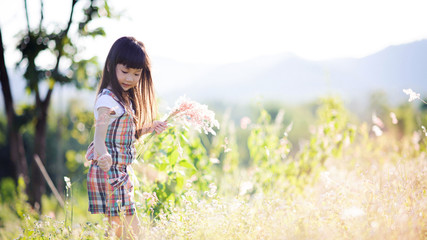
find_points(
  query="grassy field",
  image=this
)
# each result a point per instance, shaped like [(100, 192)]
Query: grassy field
[(359, 184)]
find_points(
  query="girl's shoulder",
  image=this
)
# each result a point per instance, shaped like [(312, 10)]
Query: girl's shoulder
[(108, 92), (107, 99)]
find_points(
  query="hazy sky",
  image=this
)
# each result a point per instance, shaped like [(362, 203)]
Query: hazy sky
[(224, 31)]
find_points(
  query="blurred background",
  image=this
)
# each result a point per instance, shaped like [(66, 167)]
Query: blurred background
[(238, 51), (235, 56)]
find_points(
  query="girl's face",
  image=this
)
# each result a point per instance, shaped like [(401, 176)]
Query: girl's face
[(127, 77)]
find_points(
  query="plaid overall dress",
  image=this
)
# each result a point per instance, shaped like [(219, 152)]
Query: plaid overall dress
[(111, 193)]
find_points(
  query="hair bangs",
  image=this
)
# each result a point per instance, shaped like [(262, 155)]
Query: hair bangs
[(131, 56)]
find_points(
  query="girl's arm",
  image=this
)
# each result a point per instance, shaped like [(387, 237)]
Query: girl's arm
[(101, 126)]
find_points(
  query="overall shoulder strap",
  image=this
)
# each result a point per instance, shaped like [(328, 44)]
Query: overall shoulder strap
[(108, 92)]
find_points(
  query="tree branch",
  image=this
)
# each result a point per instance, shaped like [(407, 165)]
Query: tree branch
[(26, 14), (41, 15), (70, 20), (61, 36)]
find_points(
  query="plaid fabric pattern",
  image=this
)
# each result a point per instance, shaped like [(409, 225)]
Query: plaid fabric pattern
[(111, 193)]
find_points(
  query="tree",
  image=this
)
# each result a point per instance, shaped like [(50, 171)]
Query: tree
[(68, 68), (17, 162)]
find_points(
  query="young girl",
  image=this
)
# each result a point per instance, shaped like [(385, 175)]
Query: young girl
[(125, 109)]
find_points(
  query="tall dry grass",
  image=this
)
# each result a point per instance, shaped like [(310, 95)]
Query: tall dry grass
[(369, 193)]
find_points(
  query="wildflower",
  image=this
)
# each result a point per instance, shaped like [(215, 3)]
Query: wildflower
[(214, 160), (352, 212), (393, 118), (188, 184), (267, 151), (377, 121), (416, 137), (193, 178), (67, 182), (378, 132), (195, 114), (424, 130), (225, 145), (212, 190), (245, 187), (191, 113), (413, 95), (154, 198), (244, 122), (151, 198)]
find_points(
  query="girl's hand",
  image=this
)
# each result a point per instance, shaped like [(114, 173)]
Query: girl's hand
[(105, 161), (159, 126)]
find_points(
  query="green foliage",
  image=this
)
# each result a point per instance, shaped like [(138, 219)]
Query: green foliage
[(332, 133), (178, 157), (69, 135), (223, 148), (62, 47), (269, 149), (7, 190), (407, 119)]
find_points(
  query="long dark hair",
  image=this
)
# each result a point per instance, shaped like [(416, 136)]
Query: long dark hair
[(131, 53)]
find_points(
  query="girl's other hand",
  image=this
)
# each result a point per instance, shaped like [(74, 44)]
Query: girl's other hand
[(159, 126), (105, 161)]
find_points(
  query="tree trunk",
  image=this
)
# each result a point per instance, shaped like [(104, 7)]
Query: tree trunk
[(37, 180), (16, 143)]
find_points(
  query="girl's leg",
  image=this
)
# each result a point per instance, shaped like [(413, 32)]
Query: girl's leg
[(132, 228), (116, 225), (127, 229)]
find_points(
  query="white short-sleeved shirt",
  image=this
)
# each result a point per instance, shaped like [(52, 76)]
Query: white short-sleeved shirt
[(109, 102)]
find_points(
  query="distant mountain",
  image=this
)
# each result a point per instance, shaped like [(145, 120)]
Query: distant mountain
[(283, 77), (293, 79)]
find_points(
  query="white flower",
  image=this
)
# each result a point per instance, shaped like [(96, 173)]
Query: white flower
[(352, 212), (412, 95), (214, 160), (393, 118), (378, 132), (67, 182), (245, 187), (424, 130), (377, 121), (244, 122)]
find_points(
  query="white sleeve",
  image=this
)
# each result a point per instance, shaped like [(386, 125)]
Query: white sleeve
[(109, 102)]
